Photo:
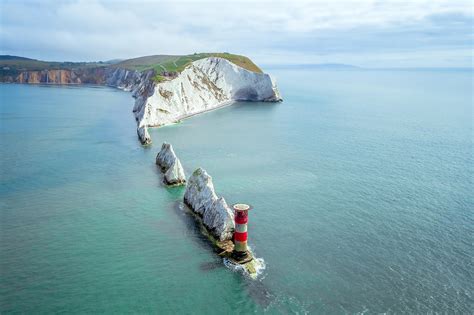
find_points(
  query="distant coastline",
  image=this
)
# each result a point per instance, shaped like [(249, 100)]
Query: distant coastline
[(345, 67)]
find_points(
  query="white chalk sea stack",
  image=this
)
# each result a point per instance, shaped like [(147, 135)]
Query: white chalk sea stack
[(170, 165), (200, 196), (203, 85), (143, 135)]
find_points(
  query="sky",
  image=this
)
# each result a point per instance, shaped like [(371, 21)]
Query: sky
[(366, 33)]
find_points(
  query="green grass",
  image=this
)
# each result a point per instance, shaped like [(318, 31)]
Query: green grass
[(143, 63), (168, 63), (15, 63), (158, 78)]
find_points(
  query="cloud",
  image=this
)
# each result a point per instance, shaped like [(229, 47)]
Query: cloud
[(269, 31)]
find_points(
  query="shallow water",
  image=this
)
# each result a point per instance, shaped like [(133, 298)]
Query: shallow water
[(361, 183)]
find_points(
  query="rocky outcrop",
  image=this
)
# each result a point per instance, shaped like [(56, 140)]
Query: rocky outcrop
[(170, 165), (202, 199), (143, 135), (204, 85)]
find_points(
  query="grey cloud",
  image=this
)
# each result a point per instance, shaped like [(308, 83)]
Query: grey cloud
[(268, 31)]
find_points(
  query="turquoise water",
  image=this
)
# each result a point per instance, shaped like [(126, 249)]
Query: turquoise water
[(361, 183)]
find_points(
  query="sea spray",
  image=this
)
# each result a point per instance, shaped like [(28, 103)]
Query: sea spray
[(258, 264)]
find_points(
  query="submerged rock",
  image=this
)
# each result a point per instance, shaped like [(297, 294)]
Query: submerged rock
[(170, 165), (202, 199), (143, 135)]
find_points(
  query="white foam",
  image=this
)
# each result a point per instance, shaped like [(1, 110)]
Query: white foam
[(259, 265)]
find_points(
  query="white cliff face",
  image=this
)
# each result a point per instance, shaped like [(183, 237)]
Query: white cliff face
[(202, 199), (203, 85), (170, 165)]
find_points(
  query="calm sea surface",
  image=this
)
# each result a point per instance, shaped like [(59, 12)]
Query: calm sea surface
[(361, 182)]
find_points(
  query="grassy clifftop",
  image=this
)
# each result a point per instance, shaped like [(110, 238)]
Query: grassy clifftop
[(26, 64), (169, 63), (165, 66)]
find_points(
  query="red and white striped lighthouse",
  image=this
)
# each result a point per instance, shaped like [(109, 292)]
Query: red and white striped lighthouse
[(240, 235)]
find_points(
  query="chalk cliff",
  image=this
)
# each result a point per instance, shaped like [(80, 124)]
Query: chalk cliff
[(202, 199), (203, 85), (127, 80), (170, 165)]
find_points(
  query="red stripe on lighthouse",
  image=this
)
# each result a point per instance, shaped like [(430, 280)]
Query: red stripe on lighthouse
[(241, 219), (240, 237)]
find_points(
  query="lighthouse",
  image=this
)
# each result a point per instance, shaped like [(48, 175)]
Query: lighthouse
[(241, 252)]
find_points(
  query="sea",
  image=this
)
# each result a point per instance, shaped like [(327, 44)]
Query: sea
[(361, 183)]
